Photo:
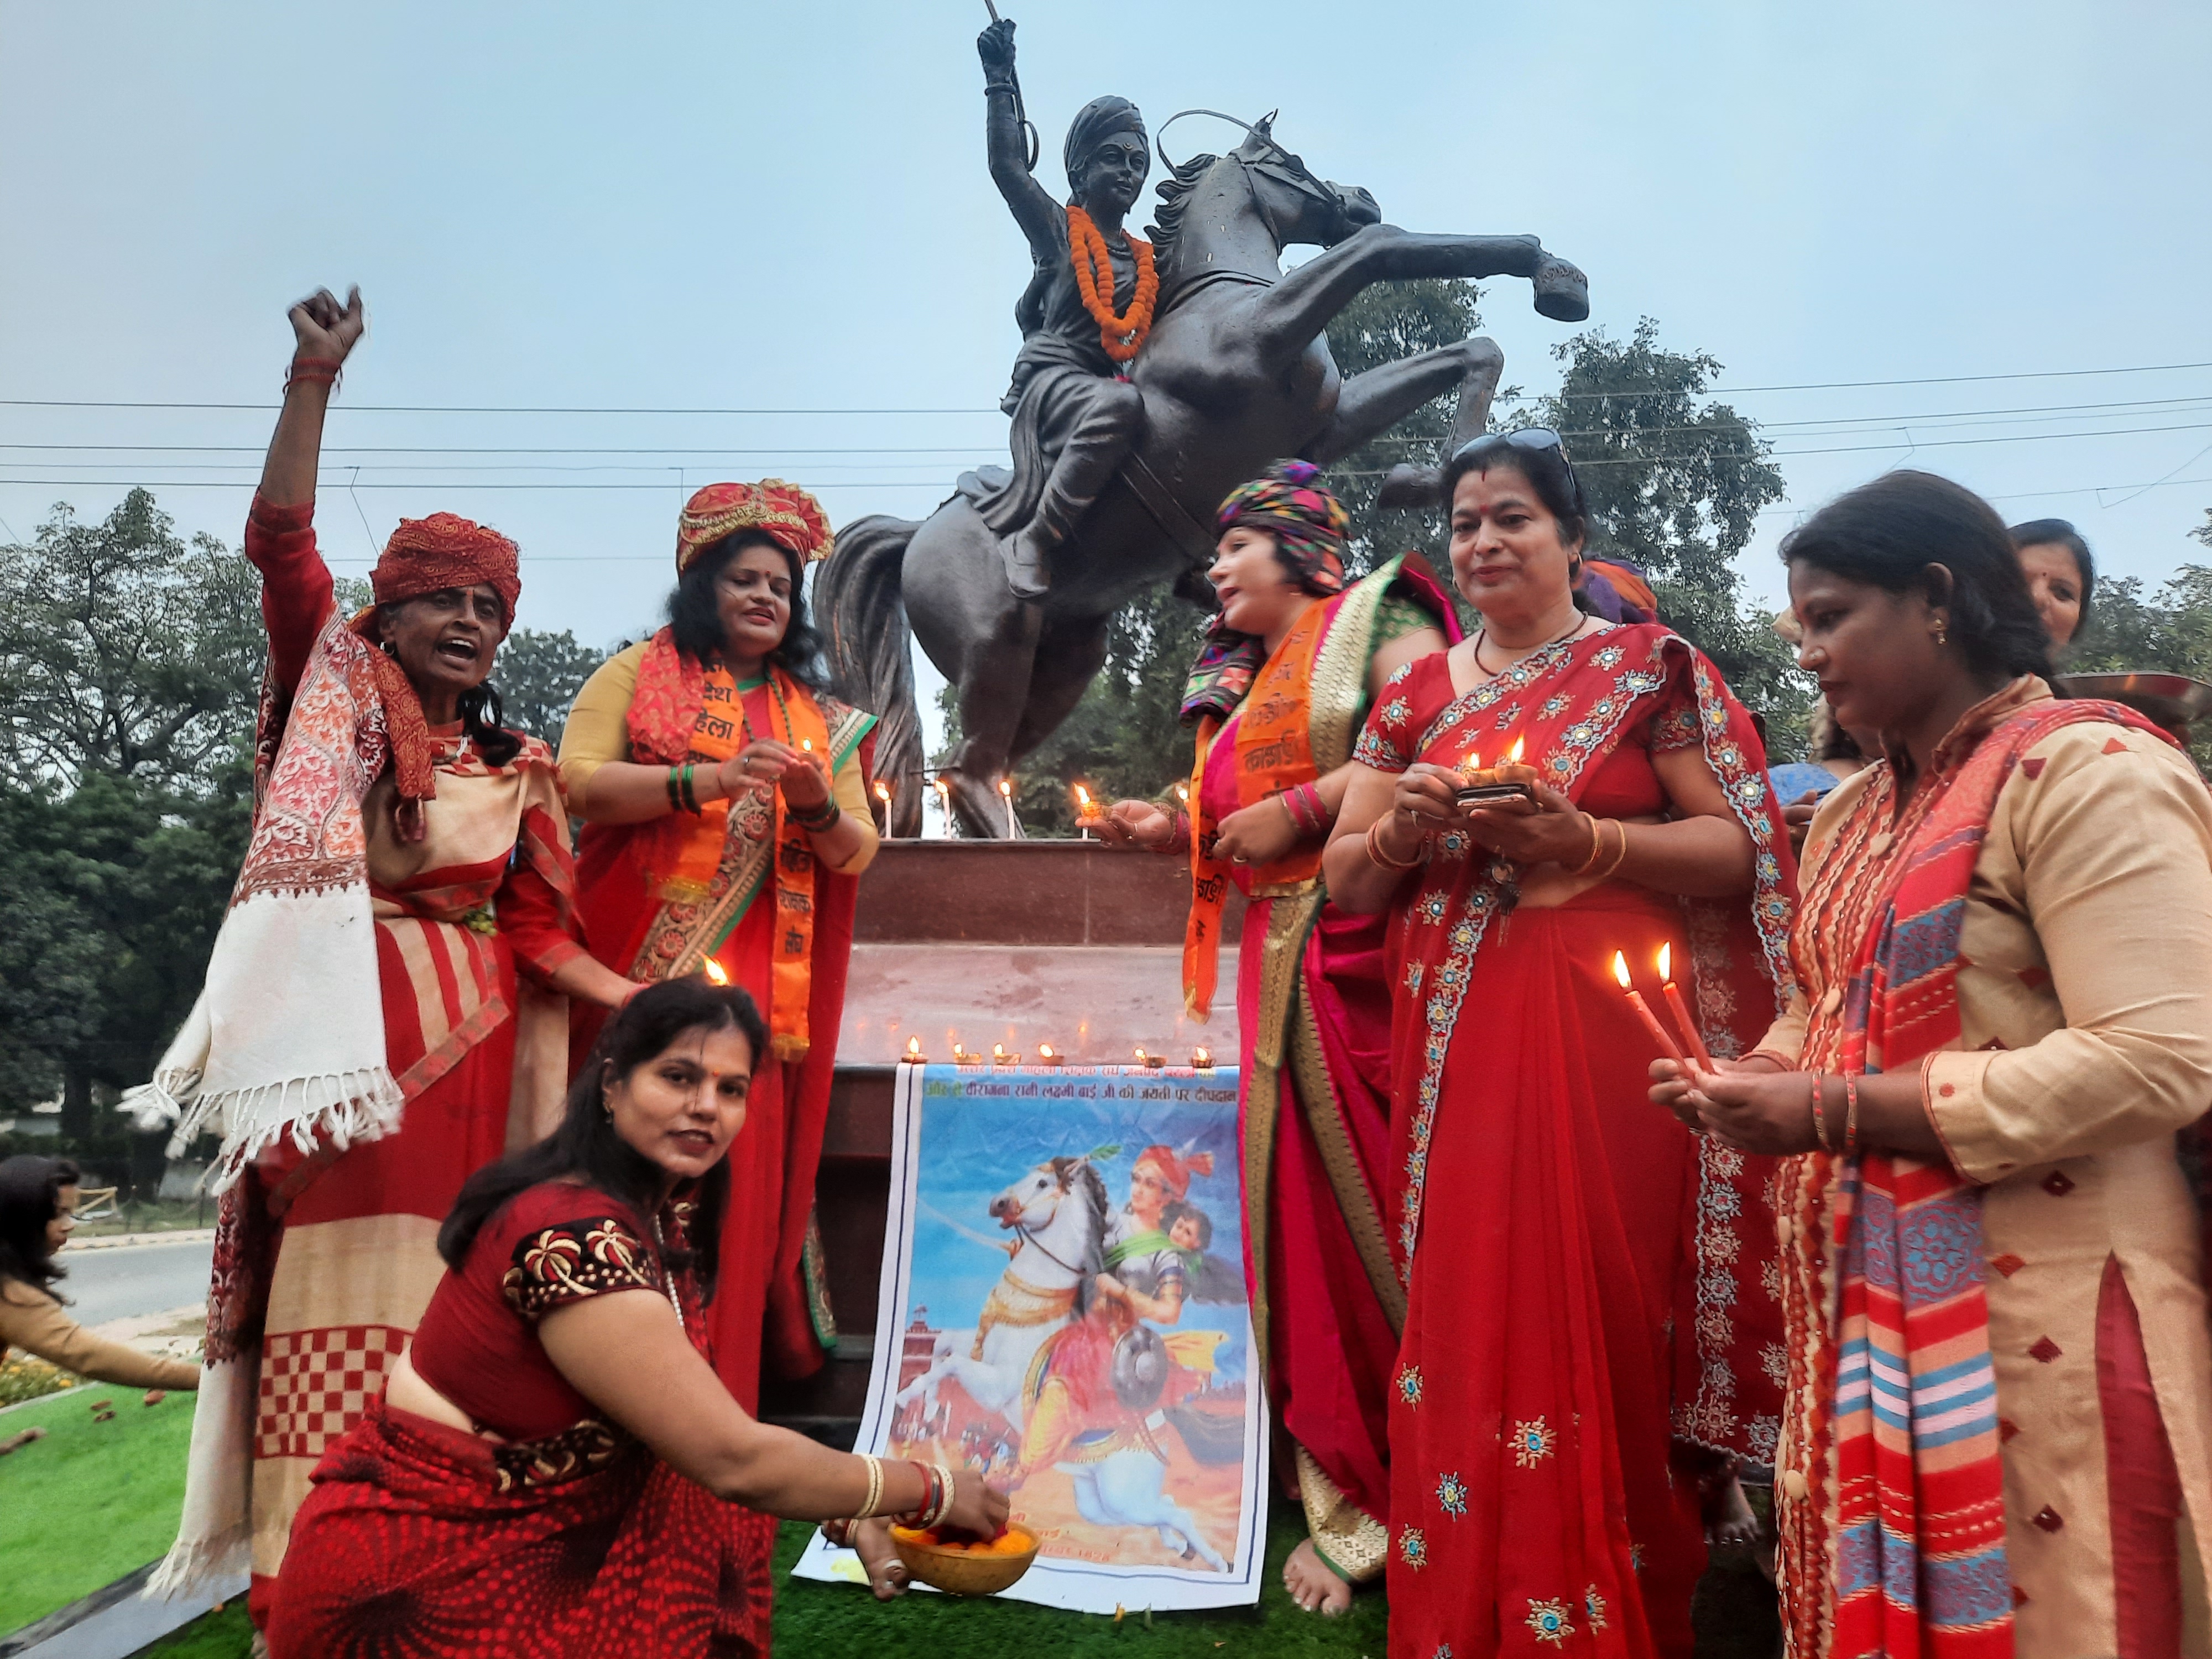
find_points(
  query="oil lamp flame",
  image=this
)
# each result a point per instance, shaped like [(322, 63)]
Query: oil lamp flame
[(1140, 1054), (1202, 1057), (1620, 969), (1045, 1051), (715, 971), (1514, 753), (913, 1047)]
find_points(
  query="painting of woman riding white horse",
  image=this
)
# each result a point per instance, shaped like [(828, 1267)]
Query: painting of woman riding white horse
[(1063, 1307)]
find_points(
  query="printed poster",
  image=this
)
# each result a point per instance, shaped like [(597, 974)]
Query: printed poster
[(1063, 1307)]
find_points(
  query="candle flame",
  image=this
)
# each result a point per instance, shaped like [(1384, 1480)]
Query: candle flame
[(883, 792), (1666, 956), (807, 743), (1473, 763), (1621, 968), (913, 1047), (1182, 793), (1082, 796), (943, 788), (1045, 1051), (1006, 788), (715, 971), (1514, 753)]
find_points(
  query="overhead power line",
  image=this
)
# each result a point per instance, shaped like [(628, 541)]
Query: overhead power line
[(671, 410)]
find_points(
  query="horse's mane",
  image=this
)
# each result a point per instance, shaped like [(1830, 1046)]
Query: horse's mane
[(1175, 192), (1097, 1204)]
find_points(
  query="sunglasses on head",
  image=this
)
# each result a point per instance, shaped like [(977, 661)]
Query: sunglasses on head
[(1533, 438)]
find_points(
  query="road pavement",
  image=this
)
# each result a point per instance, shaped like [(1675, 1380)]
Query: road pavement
[(130, 1281)]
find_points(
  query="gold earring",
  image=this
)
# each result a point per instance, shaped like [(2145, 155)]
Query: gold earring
[(1943, 633)]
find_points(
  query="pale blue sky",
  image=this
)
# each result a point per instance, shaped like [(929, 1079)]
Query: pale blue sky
[(786, 207)]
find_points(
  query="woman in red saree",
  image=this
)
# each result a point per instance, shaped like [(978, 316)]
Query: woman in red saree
[(1292, 662), (724, 795), (387, 1003), (1999, 1435), (1586, 1281), (554, 1470)]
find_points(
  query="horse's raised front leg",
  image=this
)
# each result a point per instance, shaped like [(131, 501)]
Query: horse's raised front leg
[(1287, 318), (1372, 402)]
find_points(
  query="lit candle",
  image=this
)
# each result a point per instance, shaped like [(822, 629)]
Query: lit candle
[(1182, 793), (1644, 1013), (1087, 811), (914, 1056), (943, 810), (1681, 1012), (1006, 793)]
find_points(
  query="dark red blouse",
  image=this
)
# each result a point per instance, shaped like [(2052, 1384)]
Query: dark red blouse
[(553, 1244)]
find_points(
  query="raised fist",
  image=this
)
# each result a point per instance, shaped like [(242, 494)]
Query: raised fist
[(995, 45), (325, 329)]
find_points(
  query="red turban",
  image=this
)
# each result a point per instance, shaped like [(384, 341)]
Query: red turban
[(429, 556), (782, 511), (1175, 1173)]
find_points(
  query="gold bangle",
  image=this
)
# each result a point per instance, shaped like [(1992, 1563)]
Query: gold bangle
[(1620, 852), (1376, 856), (1597, 844), (1819, 1112), (875, 1486)]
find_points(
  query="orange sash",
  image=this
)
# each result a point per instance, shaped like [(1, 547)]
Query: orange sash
[(1273, 753), (720, 852)]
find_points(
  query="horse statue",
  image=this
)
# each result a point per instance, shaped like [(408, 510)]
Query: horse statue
[(1059, 1210), (1235, 373)]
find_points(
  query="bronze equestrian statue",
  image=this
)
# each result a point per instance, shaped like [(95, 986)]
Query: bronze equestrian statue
[(1118, 467)]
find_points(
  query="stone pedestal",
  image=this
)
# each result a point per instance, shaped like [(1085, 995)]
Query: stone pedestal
[(1015, 942)]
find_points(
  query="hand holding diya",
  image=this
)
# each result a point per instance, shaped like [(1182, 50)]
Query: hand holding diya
[(1481, 786)]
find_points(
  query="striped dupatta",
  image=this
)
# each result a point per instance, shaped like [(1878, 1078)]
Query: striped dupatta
[(1894, 1545)]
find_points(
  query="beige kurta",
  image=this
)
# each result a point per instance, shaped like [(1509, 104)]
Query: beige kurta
[(2085, 996)]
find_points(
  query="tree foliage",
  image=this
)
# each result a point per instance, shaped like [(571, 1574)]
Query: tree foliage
[(1675, 486), (125, 651), (538, 674)]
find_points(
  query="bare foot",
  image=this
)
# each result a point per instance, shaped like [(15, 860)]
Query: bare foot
[(872, 1542), (1313, 1584), (1729, 1523)]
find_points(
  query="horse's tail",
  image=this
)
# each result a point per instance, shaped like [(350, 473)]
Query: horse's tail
[(857, 601)]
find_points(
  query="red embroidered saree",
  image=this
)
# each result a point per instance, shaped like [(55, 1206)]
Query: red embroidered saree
[(1585, 1280)]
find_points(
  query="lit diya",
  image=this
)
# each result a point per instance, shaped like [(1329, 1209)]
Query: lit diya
[(1488, 785)]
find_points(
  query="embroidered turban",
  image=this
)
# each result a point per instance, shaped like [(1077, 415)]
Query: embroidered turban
[(1094, 123), (428, 555), (782, 511), (1308, 524), (1175, 1173)]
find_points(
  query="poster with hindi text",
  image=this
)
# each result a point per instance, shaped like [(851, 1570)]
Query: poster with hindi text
[(1063, 1307)]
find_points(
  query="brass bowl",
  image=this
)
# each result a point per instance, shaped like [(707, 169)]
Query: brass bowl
[(960, 1571)]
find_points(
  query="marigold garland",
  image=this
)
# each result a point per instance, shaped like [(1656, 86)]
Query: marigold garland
[(1123, 337)]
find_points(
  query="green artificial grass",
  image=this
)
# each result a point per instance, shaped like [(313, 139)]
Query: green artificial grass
[(90, 1503), (834, 1620)]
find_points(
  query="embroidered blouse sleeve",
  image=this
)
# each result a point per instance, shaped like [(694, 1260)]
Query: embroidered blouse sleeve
[(598, 724), (1388, 741), (1673, 724), (566, 1261), (296, 591), (2112, 836)]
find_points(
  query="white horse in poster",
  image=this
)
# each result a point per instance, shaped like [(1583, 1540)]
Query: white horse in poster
[(1059, 1212)]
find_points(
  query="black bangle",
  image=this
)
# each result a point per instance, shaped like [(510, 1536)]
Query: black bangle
[(675, 788), (690, 790), (818, 819)]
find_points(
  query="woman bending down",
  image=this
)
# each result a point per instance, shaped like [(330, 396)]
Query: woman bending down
[(545, 1472)]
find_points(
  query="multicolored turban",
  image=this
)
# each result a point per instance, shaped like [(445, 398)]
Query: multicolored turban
[(429, 556), (784, 512), (1618, 591), (1094, 123), (1308, 524), (1175, 1172)]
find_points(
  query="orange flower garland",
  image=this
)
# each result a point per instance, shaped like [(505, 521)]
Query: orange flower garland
[(1123, 337)]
